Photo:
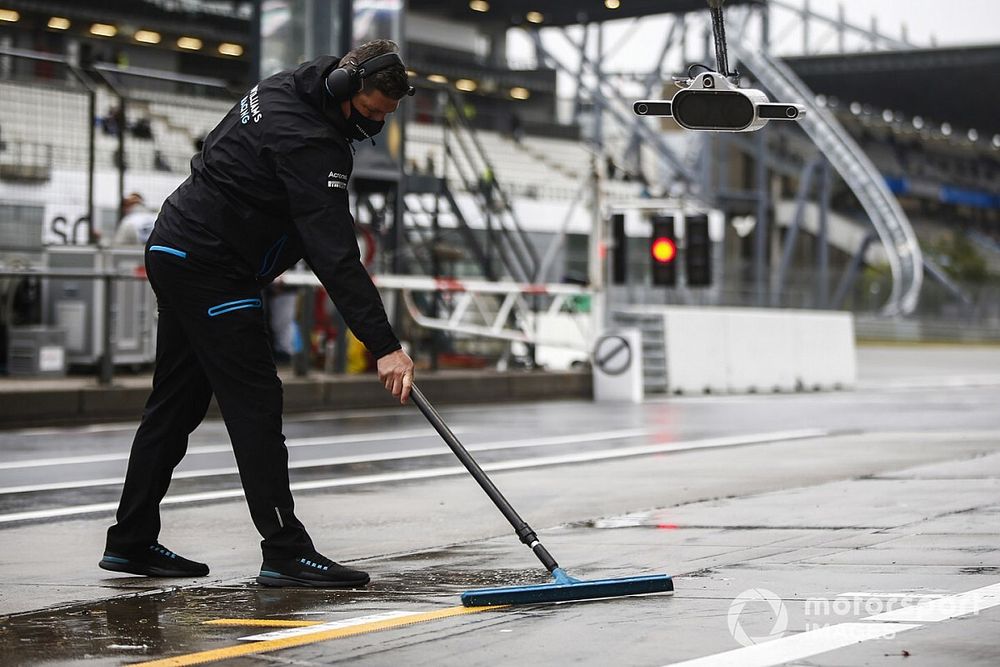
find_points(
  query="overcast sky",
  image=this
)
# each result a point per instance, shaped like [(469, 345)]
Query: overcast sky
[(952, 21)]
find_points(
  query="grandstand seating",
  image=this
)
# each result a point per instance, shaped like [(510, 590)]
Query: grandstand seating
[(536, 167), (539, 168)]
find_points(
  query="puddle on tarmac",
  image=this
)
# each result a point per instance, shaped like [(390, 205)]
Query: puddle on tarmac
[(456, 581), (148, 625), (154, 624), (706, 572), (637, 520)]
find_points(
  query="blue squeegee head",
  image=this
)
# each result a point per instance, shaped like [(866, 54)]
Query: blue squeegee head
[(565, 589)]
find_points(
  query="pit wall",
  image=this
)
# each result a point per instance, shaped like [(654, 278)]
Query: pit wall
[(742, 350)]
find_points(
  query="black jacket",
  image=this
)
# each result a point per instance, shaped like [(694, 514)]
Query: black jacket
[(270, 188)]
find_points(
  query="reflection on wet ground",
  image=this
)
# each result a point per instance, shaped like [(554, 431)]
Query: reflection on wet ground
[(171, 622)]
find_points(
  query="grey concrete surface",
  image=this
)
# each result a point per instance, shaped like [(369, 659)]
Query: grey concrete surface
[(896, 499)]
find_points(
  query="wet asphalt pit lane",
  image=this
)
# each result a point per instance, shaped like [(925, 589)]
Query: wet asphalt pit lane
[(117, 630), (146, 626), (157, 624), (441, 582), (108, 493)]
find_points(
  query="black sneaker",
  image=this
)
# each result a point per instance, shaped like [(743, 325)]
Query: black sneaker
[(156, 561), (313, 571)]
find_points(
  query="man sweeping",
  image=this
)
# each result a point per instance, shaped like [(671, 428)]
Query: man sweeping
[(268, 188)]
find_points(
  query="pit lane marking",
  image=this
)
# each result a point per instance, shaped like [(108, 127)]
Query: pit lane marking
[(450, 471), (260, 623), (311, 636)]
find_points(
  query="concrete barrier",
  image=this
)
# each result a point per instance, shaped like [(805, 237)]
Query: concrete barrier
[(29, 403), (741, 350), (695, 362)]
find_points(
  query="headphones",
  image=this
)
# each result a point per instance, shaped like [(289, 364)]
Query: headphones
[(347, 79)]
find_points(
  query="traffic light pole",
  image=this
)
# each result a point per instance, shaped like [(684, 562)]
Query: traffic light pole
[(597, 265)]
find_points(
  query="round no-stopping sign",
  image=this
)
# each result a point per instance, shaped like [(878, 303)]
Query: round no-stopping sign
[(612, 354)]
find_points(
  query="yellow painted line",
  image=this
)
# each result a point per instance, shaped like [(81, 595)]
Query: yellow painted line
[(261, 623), (213, 655)]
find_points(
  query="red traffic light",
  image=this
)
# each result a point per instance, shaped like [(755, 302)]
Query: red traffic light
[(664, 250)]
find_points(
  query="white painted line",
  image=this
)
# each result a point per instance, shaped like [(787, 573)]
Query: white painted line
[(334, 625), (63, 486), (346, 460), (361, 480), (72, 430), (642, 450), (62, 511), (884, 625), (291, 443), (892, 596), (797, 647), (338, 415), (932, 382), (942, 609)]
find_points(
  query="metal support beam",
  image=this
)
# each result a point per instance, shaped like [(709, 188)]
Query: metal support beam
[(649, 80), (763, 225), (107, 370), (822, 237), (792, 235), (91, 166), (577, 98), (122, 165), (851, 272), (625, 119), (546, 264), (599, 100), (805, 27), (256, 41), (841, 29), (874, 37)]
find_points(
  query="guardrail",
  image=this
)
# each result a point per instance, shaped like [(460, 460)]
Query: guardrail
[(509, 317), (507, 311)]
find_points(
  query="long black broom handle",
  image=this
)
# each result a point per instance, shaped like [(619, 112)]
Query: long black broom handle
[(522, 529)]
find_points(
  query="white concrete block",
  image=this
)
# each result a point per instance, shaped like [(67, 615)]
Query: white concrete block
[(695, 350)]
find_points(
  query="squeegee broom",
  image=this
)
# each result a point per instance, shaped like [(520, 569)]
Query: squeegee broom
[(564, 587)]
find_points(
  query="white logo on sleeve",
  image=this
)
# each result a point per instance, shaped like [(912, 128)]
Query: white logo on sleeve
[(336, 180), (250, 107)]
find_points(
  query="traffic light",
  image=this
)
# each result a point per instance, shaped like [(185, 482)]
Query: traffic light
[(663, 251), (619, 250), (697, 251)]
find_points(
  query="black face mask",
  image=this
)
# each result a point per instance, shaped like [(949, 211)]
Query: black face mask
[(362, 127)]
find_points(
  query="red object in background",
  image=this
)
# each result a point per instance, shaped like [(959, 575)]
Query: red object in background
[(457, 360), (664, 250)]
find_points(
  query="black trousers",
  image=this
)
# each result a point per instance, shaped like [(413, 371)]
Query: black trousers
[(211, 337)]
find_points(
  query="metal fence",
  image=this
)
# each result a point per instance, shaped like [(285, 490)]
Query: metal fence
[(74, 143), (46, 151), (150, 125)]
